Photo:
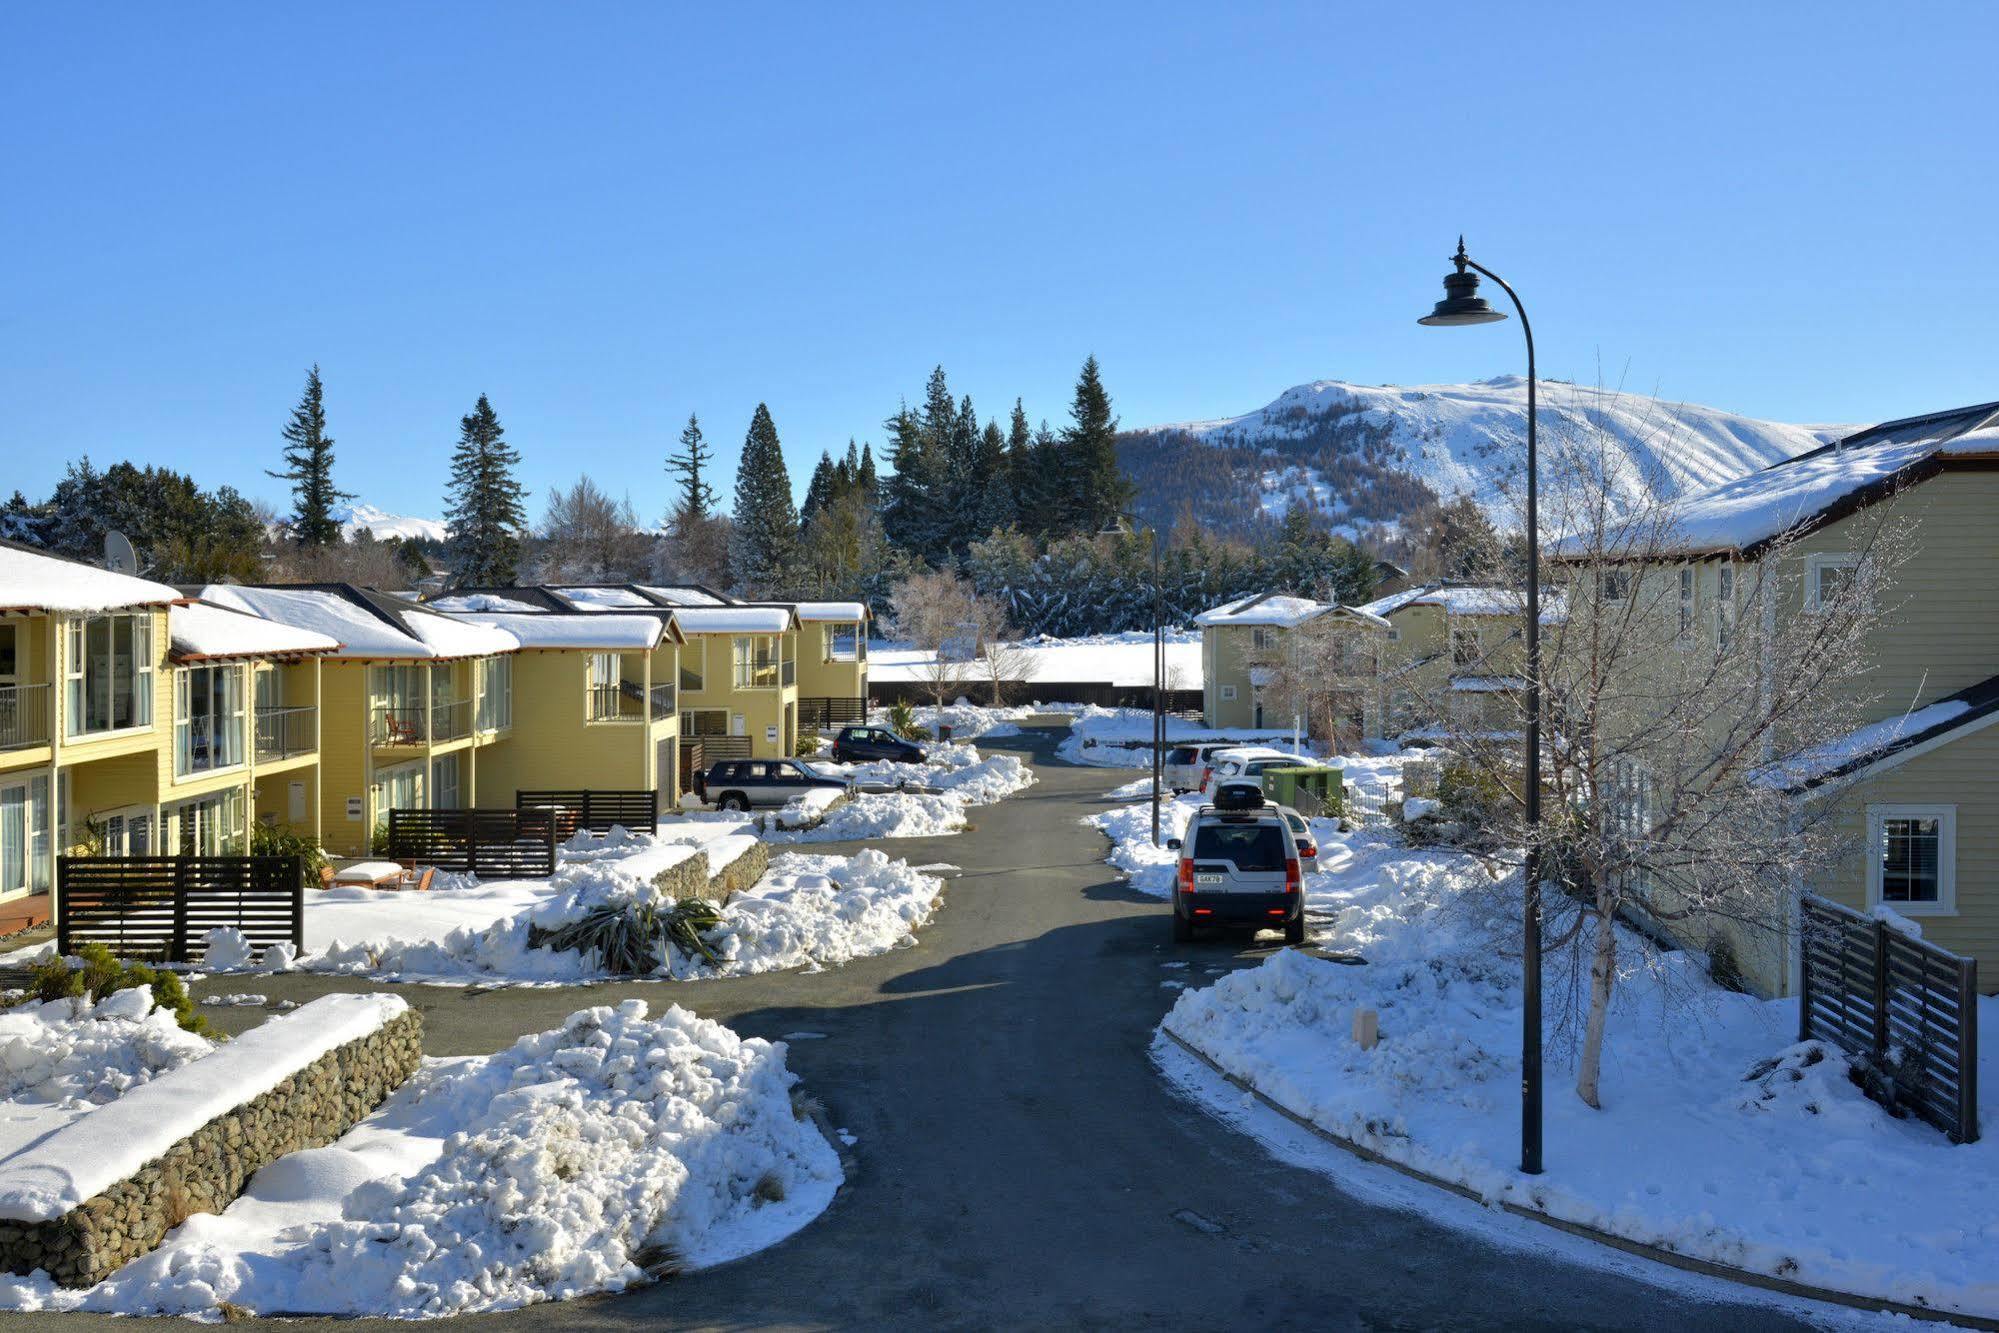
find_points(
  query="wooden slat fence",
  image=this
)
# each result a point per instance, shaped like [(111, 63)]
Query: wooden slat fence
[(598, 811), (824, 712), (491, 844), (1904, 1006), (162, 907)]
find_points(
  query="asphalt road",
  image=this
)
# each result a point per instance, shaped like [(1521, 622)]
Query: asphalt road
[(1019, 1161)]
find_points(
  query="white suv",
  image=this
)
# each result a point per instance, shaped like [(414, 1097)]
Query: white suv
[(1239, 866)]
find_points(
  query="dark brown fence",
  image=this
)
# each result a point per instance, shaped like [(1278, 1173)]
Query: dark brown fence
[(163, 907), (1095, 692), (597, 811), (698, 753), (1906, 1009), (491, 844), (820, 712)]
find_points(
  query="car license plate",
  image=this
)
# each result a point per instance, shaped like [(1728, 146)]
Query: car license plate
[(1207, 879)]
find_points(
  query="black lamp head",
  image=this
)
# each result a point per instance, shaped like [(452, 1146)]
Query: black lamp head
[(1462, 304)]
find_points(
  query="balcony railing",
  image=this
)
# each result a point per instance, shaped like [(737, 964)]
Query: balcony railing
[(283, 733), (760, 674), (205, 744), (606, 703), (450, 719), (788, 673), (662, 702), (24, 716), (399, 724)]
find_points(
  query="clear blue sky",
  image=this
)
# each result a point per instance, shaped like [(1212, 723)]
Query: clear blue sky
[(608, 216)]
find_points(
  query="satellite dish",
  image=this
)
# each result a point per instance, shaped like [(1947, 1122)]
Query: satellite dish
[(119, 557)]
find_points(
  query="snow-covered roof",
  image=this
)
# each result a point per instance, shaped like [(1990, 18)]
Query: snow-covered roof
[(200, 631), (592, 598), (1796, 496), (683, 594), (1488, 684), (603, 633), (365, 625), (1456, 599), (32, 580), (830, 611), (1268, 609), (481, 601), (734, 619), (1868, 745)]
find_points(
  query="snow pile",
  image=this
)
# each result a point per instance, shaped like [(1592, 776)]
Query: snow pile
[(1122, 737), (568, 1164), (808, 807), (65, 1058), (816, 911), (1719, 1138), (970, 722), (883, 815), (951, 779), (1114, 659), (229, 950)]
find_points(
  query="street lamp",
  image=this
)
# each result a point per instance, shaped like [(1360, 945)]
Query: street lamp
[(1463, 305)]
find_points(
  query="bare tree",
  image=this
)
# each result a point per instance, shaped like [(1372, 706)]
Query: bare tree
[(1320, 670), (1003, 661), (934, 611), (694, 550), (588, 537), (1676, 680)]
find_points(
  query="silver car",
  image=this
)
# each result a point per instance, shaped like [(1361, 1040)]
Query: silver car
[(1186, 766), (1239, 867)]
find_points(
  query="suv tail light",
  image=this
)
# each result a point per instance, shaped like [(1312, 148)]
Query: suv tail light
[(1186, 876), (1207, 772), (1294, 876)]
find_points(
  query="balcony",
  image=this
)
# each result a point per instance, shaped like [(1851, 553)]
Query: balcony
[(759, 674), (450, 720), (606, 703), (24, 716), (285, 733), (662, 702), (788, 673), (207, 745), (399, 724)]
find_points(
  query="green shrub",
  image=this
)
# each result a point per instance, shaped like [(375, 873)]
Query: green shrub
[(1469, 793), (623, 937), (100, 974), (284, 840), (808, 743), (902, 721), (378, 841)]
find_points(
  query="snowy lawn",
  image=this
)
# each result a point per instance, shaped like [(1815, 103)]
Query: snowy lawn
[(583, 1159), (1122, 737), (1111, 659), (806, 911), (1719, 1138)]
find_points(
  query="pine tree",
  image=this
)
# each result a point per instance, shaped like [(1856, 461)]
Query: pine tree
[(697, 497), (867, 479), (912, 509), (1101, 490), (995, 509), (483, 506), (821, 491), (309, 468), (1021, 473), (763, 545)]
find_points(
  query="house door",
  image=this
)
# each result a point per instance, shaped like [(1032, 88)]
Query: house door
[(666, 770)]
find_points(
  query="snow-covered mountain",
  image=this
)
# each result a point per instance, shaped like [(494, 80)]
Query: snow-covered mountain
[(356, 517), (1364, 455)]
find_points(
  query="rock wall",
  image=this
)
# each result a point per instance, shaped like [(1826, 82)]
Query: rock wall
[(740, 873), (689, 879), (205, 1171)]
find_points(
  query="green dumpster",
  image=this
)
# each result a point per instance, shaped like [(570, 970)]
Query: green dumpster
[(1320, 786)]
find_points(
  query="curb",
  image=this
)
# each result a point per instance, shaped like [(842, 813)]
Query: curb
[(1671, 1258)]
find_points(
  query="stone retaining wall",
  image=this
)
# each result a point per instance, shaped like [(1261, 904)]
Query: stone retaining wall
[(205, 1171), (689, 879), (740, 873)]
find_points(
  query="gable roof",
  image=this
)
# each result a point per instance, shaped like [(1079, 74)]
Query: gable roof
[(599, 632), (366, 623), (37, 580), (1744, 517), (1886, 742)]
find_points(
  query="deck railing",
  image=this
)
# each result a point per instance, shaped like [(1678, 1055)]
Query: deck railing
[(24, 716), (283, 733)]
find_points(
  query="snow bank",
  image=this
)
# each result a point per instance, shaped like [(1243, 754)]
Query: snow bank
[(88, 1155), (562, 1166), (1719, 1137), (1122, 737), (64, 1059), (951, 779), (1112, 659)]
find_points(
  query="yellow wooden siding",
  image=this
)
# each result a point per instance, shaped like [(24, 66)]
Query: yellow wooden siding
[(552, 745), (344, 757)]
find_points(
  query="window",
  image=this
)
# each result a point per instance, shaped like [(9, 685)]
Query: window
[(603, 704), (398, 788), (843, 643), (1261, 639), (756, 662), (108, 674), (1912, 858), (1394, 634), (496, 693), (1258, 846), (1228, 694), (1724, 602), (1829, 577), (1686, 605), (444, 793), (127, 832), (10, 661), (1613, 585), (693, 662), (1465, 650), (24, 835), (208, 719), (206, 826)]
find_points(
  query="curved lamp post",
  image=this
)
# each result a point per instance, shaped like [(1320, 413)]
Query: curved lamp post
[(1463, 305)]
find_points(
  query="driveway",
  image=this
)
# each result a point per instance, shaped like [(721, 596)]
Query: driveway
[(1019, 1162)]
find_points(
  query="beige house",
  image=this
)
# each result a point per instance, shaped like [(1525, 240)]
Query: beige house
[(1270, 661), (1916, 789), (1452, 659)]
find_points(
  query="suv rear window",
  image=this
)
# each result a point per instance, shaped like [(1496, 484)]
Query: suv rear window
[(1184, 754), (1258, 846)]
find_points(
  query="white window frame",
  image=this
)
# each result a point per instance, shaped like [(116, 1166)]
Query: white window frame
[(76, 677), (1228, 694), (1946, 817), (1816, 565), (834, 633), (1261, 638)]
